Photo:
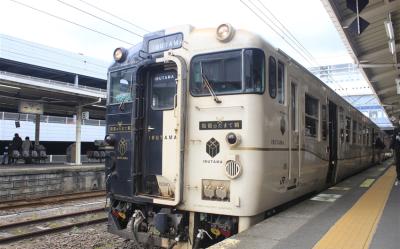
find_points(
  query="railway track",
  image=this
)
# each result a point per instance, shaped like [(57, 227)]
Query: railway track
[(41, 226), (49, 200)]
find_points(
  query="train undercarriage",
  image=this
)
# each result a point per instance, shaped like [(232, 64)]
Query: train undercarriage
[(160, 226)]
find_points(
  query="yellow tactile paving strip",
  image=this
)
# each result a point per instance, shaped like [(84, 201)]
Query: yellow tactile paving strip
[(355, 229)]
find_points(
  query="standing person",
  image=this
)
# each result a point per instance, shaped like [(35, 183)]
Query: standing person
[(15, 146), (5, 158), (26, 149), (17, 142), (395, 146), (379, 146)]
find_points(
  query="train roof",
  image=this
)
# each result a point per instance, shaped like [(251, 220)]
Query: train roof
[(203, 40)]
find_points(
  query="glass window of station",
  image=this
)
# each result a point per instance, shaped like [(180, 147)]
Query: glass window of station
[(120, 86), (231, 72)]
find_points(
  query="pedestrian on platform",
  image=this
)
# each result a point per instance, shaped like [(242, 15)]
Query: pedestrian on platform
[(395, 146), (26, 150), (15, 146), (16, 142), (5, 158)]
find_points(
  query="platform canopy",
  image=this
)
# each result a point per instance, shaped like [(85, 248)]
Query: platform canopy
[(55, 97), (370, 29)]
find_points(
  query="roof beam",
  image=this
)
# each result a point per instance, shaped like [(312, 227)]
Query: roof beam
[(385, 75), (391, 100), (376, 54), (376, 10), (390, 113), (386, 90)]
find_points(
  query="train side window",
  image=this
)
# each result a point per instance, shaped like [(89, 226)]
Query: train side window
[(228, 72), (342, 124), (367, 136), (360, 132), (293, 104), (347, 130), (272, 77), (163, 90), (324, 123), (254, 70), (281, 83), (364, 134), (311, 116), (354, 134)]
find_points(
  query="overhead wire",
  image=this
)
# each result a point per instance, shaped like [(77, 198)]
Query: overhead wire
[(99, 18), (273, 29), (288, 31), (71, 22), (284, 31), (115, 16), (299, 46)]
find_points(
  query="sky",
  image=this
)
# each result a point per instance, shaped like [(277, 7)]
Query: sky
[(306, 20)]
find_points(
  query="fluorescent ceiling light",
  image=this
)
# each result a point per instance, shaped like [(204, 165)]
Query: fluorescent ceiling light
[(392, 46), (13, 87), (389, 29), (101, 106)]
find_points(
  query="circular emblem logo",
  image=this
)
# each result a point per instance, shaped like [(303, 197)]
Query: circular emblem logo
[(122, 146)]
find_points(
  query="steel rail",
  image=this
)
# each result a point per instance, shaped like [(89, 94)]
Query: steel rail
[(50, 218), (50, 200), (50, 230)]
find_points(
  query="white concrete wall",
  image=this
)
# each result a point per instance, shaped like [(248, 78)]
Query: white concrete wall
[(50, 132)]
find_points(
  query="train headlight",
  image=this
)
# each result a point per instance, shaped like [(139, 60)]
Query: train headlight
[(225, 32), (120, 54), (110, 140), (232, 139)]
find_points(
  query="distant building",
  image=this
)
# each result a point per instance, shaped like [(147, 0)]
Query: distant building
[(370, 107), (32, 59), (347, 81)]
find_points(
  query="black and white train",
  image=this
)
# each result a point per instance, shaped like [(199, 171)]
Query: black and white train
[(210, 128)]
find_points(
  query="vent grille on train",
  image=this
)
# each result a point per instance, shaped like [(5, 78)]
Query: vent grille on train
[(233, 169)]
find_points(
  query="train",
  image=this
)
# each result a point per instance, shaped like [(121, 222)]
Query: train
[(210, 128)]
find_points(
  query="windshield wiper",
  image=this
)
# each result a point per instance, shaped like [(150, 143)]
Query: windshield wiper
[(126, 98), (207, 84)]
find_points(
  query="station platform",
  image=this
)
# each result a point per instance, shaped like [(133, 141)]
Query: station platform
[(28, 181), (362, 211)]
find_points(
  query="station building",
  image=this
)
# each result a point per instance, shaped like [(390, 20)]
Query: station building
[(348, 82), (23, 60)]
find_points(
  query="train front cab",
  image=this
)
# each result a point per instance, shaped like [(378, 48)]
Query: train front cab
[(145, 125)]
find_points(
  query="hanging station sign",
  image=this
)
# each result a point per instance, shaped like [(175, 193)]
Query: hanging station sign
[(30, 107)]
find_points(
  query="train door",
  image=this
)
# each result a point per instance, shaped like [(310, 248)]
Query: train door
[(162, 144), (333, 142), (294, 148), (160, 94), (372, 143)]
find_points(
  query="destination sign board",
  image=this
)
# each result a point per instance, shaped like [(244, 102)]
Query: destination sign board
[(220, 125), (165, 43)]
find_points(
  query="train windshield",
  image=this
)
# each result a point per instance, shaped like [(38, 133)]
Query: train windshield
[(239, 71), (120, 86)]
